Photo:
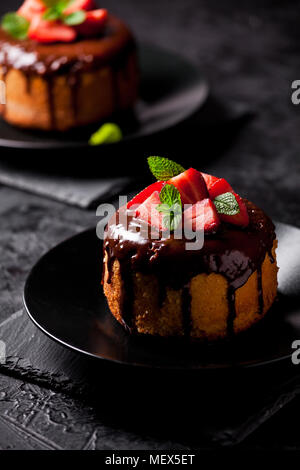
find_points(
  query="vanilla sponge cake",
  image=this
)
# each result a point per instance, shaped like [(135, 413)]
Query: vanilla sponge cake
[(63, 85), (224, 289)]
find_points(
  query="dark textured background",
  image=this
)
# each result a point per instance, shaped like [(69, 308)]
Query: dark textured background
[(249, 52)]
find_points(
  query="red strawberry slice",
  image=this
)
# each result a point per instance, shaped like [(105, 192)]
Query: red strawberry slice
[(147, 211), (94, 22), (209, 179), (202, 216), (191, 186), (50, 31), (143, 195), (78, 5), (216, 186), (241, 219), (31, 8)]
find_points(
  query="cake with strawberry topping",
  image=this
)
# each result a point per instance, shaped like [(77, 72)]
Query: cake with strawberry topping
[(65, 64), (188, 256)]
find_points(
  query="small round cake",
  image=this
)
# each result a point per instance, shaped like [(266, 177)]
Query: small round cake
[(60, 77), (157, 286)]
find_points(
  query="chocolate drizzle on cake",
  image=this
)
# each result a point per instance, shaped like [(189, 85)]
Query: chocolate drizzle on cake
[(127, 300), (74, 80), (231, 310), (234, 252), (51, 102), (186, 310), (50, 61), (260, 291)]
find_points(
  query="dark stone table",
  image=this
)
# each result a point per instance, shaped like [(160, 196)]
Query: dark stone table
[(249, 52)]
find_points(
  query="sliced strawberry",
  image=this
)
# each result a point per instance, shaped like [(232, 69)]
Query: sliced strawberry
[(191, 186), (147, 211), (209, 179), (50, 31), (216, 186), (94, 22), (78, 5), (143, 195), (202, 216), (241, 219), (31, 8)]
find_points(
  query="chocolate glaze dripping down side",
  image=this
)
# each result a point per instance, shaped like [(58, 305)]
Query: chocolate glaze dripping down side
[(260, 291), (51, 102), (233, 252), (231, 310), (74, 84), (186, 310), (28, 84), (127, 298)]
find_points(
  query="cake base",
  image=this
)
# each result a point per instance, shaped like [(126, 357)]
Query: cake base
[(34, 102), (202, 309), (60, 86)]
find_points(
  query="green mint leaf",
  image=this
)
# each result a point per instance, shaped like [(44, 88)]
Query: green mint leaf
[(57, 3), (176, 221), (75, 18), (15, 25), (55, 12), (52, 14), (171, 221), (163, 208), (170, 195), (50, 3), (163, 169), (62, 5), (171, 205), (227, 204), (109, 133)]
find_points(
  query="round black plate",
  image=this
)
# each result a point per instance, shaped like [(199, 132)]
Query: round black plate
[(63, 296), (172, 90)]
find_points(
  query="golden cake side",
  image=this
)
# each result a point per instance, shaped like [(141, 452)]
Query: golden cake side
[(64, 82), (209, 308)]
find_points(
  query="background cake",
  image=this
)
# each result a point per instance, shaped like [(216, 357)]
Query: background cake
[(61, 75), (158, 287)]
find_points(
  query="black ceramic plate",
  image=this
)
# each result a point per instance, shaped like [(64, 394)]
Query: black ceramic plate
[(172, 90), (63, 297)]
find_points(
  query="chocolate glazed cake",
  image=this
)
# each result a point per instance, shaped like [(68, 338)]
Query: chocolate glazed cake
[(59, 86), (158, 287)]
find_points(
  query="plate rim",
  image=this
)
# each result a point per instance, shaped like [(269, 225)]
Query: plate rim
[(179, 368)]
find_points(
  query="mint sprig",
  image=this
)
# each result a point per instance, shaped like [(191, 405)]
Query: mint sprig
[(170, 195), (53, 3), (108, 133), (164, 169), (227, 204), (55, 11), (15, 25), (73, 19), (171, 206)]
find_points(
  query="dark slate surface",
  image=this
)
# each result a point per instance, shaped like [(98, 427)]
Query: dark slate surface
[(249, 52)]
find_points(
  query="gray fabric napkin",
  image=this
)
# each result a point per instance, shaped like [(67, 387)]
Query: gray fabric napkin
[(82, 192)]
